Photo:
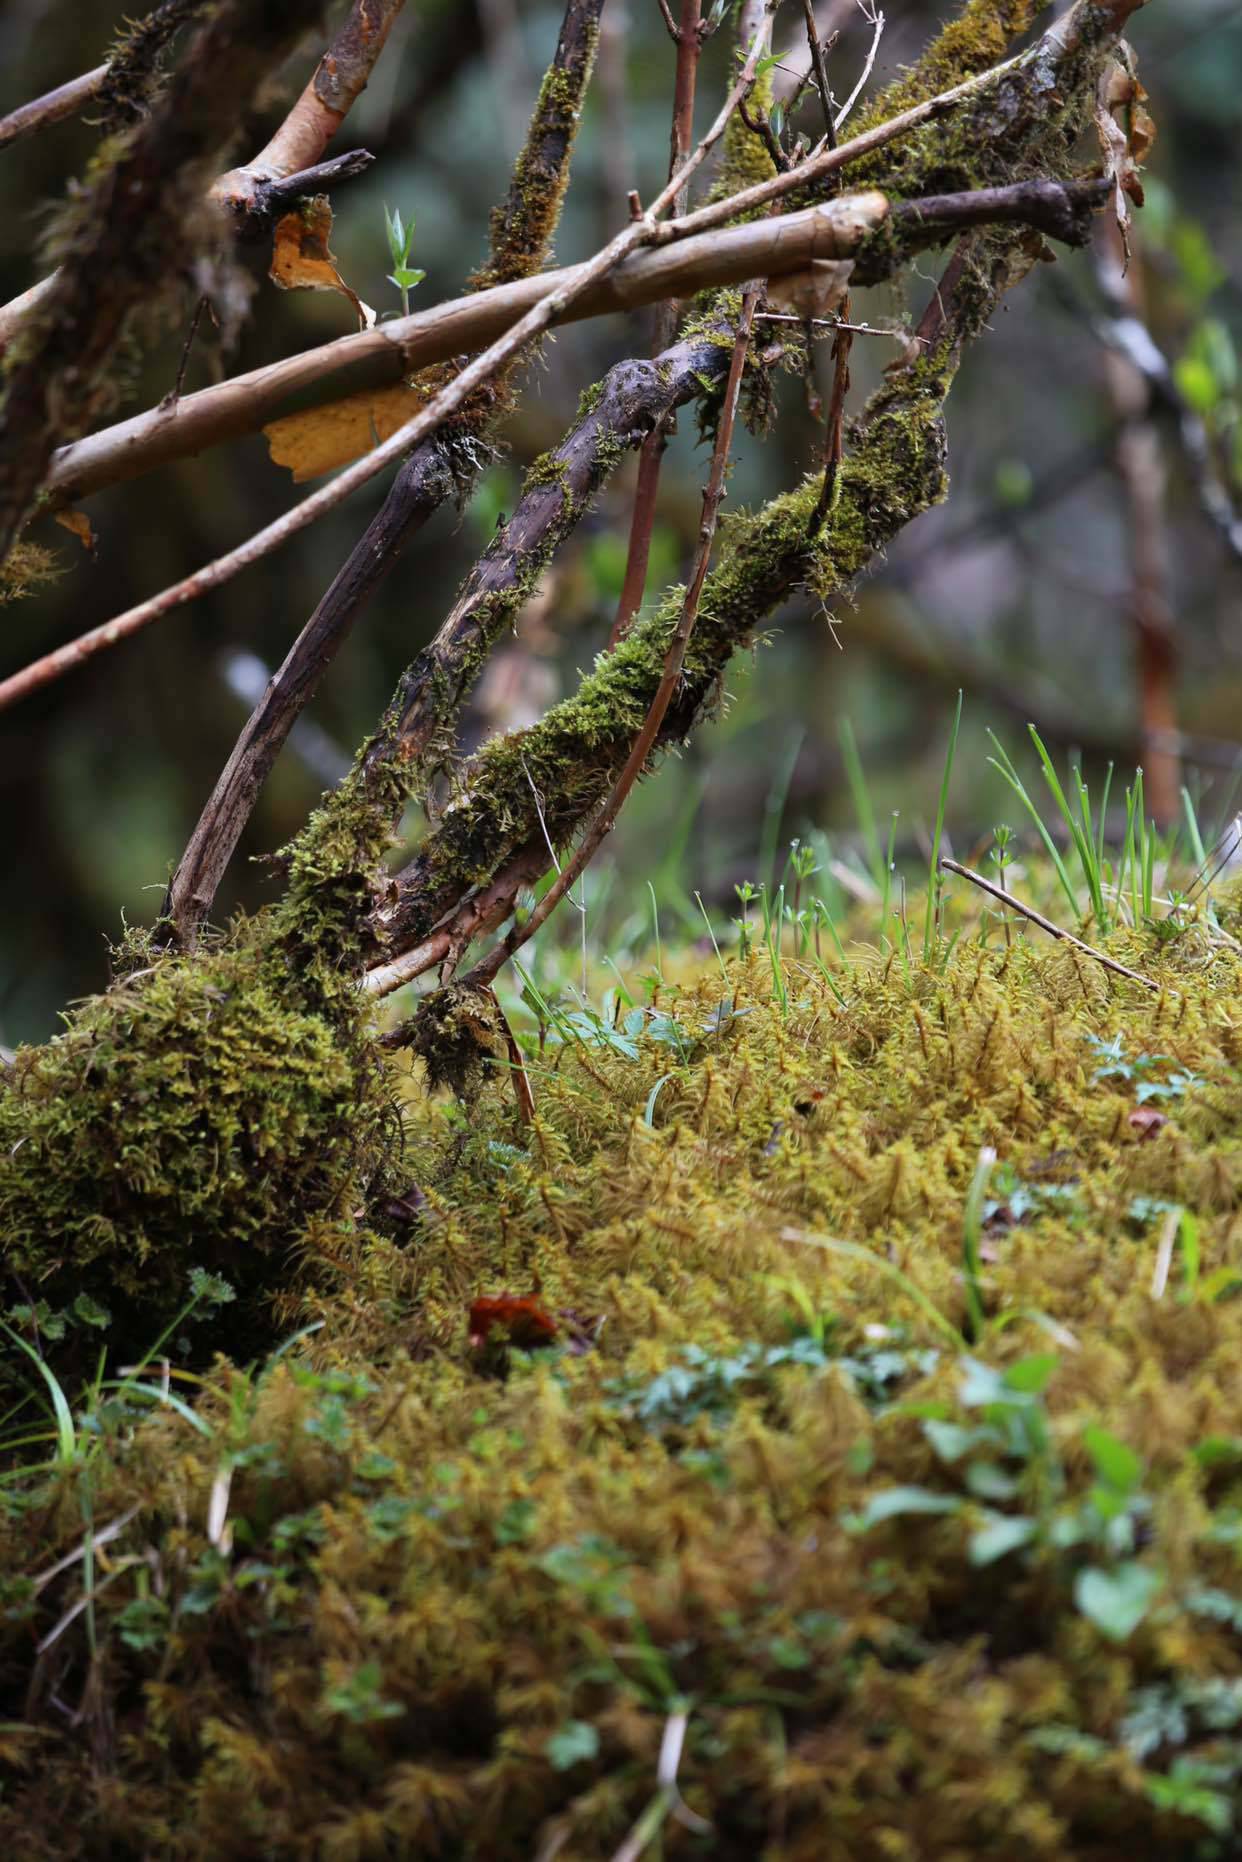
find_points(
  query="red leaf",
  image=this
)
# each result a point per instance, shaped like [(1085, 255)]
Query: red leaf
[(524, 1322)]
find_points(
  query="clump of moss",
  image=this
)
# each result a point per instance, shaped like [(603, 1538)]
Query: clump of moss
[(924, 1578), (196, 1115)]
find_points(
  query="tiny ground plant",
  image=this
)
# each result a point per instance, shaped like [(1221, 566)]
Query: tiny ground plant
[(400, 237)]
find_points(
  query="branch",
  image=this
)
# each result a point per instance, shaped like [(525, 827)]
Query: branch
[(689, 42), (339, 80), (838, 228), (128, 222), (393, 351), (53, 107), (522, 233), (674, 660)]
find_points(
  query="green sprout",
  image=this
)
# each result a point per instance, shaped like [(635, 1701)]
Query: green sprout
[(400, 239)]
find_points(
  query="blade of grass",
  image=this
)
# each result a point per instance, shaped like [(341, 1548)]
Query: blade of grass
[(935, 884)]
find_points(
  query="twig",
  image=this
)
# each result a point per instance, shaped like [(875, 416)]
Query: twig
[(174, 393), (836, 416), (820, 69), (604, 821), (53, 107), (688, 38), (878, 23), (1046, 924)]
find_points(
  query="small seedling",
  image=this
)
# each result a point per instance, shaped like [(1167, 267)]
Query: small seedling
[(400, 241)]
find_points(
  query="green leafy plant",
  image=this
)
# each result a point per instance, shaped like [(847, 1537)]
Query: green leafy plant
[(400, 242)]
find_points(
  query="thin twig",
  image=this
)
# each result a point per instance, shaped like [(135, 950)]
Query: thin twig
[(1046, 924), (689, 41), (835, 421), (674, 660), (53, 107), (820, 68), (877, 21)]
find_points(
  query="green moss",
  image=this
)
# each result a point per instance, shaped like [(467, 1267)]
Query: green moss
[(198, 1114), (457, 1591), (27, 566)]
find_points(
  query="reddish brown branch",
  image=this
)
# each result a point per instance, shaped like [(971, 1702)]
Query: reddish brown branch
[(644, 743), (339, 80), (689, 39)]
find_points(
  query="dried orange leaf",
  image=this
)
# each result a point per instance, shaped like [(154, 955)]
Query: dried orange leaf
[(302, 260), (323, 438), (80, 524)]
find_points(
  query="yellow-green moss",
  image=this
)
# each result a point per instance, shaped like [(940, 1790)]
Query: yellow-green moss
[(455, 1596)]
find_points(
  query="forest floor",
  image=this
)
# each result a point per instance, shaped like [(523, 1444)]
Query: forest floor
[(802, 1421)]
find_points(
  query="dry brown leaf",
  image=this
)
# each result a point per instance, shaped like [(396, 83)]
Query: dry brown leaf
[(80, 524), (302, 260), (323, 438)]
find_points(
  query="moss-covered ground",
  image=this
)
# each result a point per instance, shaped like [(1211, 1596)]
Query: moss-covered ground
[(738, 1460)]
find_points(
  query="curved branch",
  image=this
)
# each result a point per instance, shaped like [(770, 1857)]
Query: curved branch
[(339, 80)]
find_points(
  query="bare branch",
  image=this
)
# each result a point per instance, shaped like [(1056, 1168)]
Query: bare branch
[(53, 107), (1046, 924)]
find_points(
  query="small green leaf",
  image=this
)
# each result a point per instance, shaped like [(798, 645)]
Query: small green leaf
[(894, 1502), (1115, 1463), (999, 1537), (1116, 1601), (571, 1745), (1031, 1376)]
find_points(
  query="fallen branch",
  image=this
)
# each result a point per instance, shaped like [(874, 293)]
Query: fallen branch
[(1046, 924)]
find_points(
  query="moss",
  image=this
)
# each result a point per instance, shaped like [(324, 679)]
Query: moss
[(522, 228), (195, 1115), (455, 1595), (136, 61), (27, 566)]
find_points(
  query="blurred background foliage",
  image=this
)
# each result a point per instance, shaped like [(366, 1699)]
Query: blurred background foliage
[(1019, 591)]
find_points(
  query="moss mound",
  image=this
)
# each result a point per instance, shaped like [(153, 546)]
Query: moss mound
[(733, 1460), (197, 1114)]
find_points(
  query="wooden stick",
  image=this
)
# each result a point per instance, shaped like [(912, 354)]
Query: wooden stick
[(1046, 924)]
